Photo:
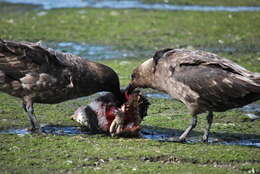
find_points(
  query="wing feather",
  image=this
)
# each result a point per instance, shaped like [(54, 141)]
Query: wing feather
[(218, 88), (20, 58)]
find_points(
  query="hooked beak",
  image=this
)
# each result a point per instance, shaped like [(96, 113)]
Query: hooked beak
[(129, 89)]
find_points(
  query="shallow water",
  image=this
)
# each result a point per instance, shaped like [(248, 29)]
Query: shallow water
[(96, 52), (102, 52), (124, 4), (158, 96), (146, 133), (254, 107), (252, 110), (49, 129), (170, 137)]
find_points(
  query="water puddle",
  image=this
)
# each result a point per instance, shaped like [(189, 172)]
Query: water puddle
[(254, 107), (102, 52), (158, 96), (146, 133), (124, 4), (252, 110), (170, 136), (49, 129), (96, 52)]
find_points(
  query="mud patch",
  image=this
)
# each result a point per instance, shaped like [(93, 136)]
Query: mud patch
[(146, 133), (124, 4)]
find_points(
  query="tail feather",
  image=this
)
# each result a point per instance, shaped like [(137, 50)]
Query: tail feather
[(19, 58), (257, 79), (23, 50), (255, 85), (36, 53)]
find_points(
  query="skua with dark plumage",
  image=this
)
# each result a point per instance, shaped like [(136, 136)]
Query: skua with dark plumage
[(203, 81), (41, 75)]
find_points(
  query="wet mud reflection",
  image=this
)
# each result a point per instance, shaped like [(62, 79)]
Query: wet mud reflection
[(252, 110), (146, 133), (95, 52), (158, 96)]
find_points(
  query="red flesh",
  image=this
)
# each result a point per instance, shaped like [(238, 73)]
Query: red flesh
[(129, 119)]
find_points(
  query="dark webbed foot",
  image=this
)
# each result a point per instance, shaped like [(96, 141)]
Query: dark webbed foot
[(28, 108), (188, 130), (181, 141), (206, 133), (36, 130)]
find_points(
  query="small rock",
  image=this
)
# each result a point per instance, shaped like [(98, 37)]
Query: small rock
[(252, 171), (97, 168), (190, 47), (69, 162), (86, 159), (143, 158), (252, 116), (134, 169), (114, 13), (10, 21), (42, 13), (20, 135), (221, 41), (124, 63), (101, 160), (82, 11)]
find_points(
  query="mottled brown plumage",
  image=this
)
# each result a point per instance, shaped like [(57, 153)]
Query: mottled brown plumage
[(203, 81), (37, 74)]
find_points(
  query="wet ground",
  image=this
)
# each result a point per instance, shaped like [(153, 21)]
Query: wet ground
[(124, 4), (252, 110), (96, 52), (103, 52), (146, 133), (158, 96)]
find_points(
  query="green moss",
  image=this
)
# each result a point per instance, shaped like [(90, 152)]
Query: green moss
[(82, 154), (133, 29), (139, 29), (136, 29)]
